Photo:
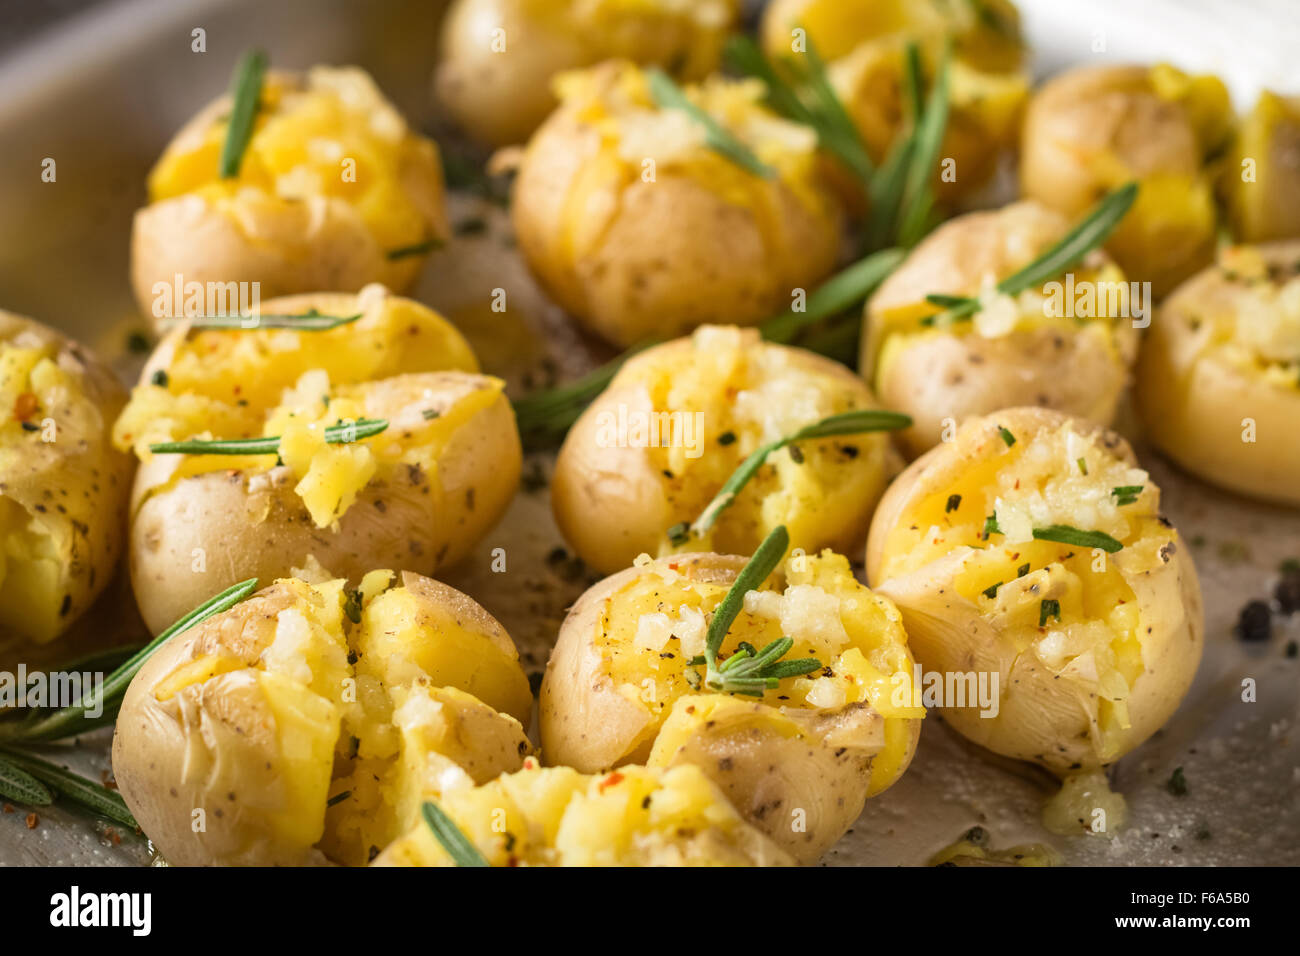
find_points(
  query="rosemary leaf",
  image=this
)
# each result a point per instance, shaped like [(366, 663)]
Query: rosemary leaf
[(457, 845), (68, 721), (668, 95), (18, 785), (918, 191), (854, 422), (340, 434), (309, 321), (841, 291), (1089, 233), (750, 578), (415, 249), (76, 788), (1064, 534), (246, 90)]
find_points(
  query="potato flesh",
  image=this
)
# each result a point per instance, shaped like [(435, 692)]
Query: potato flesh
[(39, 542), (331, 475), (1035, 483), (559, 817), (300, 141), (853, 633), (334, 724), (744, 394)]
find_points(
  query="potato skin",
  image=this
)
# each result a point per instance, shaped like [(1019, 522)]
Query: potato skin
[(1040, 718), (1077, 370), (769, 761), (214, 744), (254, 524), (71, 483), (1268, 207), (502, 97), (655, 259), (319, 244), (1193, 398), (613, 502), (1088, 130)]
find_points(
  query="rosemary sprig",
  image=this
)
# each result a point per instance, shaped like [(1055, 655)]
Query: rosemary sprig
[(545, 416), (1088, 234), (309, 321), (749, 671), (18, 785), (854, 422), (811, 100), (918, 190), (76, 788), (840, 292), (341, 434), (414, 249), (668, 95), (73, 720), (246, 90), (458, 846), (901, 191)]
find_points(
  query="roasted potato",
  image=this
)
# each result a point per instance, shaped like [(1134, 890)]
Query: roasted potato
[(1092, 647), (497, 57), (798, 762), (678, 419), (63, 486), (309, 723), (1068, 347), (555, 816), (640, 230), (1093, 128), (866, 40), (420, 493), (334, 191), (1261, 179), (1218, 382)]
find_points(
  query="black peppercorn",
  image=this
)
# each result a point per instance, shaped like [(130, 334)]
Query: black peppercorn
[(1255, 622)]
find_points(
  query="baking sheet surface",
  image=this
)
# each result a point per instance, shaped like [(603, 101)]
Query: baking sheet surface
[(106, 110)]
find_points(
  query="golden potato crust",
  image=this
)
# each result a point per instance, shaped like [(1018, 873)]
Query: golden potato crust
[(1090, 129), (316, 232), (1218, 383), (971, 606), (497, 57), (796, 769), (63, 486), (703, 241), (615, 499), (1080, 368), (279, 732)]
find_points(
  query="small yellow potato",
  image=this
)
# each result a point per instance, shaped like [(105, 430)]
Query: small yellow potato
[(865, 41), (309, 723), (675, 423), (1261, 178), (1092, 648), (640, 230), (1218, 383), (555, 816), (419, 494), (1068, 347), (1094, 128), (497, 57), (63, 486), (800, 761), (334, 191)]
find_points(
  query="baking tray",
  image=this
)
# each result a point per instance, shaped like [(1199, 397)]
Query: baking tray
[(103, 93)]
